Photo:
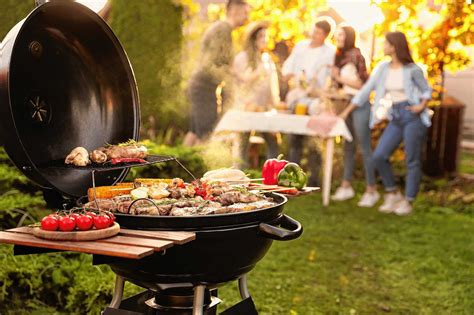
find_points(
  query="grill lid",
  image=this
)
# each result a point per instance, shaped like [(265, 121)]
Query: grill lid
[(65, 81)]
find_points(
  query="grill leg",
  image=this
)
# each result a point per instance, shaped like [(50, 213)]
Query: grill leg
[(118, 292), (244, 290), (198, 303)]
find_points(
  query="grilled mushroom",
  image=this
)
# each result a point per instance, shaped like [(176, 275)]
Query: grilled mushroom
[(78, 157), (98, 156)]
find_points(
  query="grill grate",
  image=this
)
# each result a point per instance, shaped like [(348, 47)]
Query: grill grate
[(107, 166)]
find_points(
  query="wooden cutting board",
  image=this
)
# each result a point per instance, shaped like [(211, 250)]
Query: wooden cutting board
[(77, 235)]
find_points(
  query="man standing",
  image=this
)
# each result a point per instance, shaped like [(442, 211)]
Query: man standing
[(309, 67), (210, 84)]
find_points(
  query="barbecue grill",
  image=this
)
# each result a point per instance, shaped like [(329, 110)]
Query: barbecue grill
[(66, 81)]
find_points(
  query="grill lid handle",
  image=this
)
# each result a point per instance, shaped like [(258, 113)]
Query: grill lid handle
[(40, 2), (286, 229)]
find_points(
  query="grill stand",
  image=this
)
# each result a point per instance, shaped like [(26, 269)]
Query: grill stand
[(118, 292), (243, 289), (198, 302), (246, 306)]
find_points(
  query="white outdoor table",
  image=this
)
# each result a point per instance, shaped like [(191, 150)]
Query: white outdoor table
[(242, 121)]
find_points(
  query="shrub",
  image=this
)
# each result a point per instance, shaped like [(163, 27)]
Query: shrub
[(150, 32), (20, 199)]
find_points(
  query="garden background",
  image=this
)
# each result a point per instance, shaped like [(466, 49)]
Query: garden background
[(349, 260)]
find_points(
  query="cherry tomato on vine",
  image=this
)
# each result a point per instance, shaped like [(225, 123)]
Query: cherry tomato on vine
[(111, 217), (49, 223), (91, 214), (67, 224), (75, 215), (84, 222), (101, 221)]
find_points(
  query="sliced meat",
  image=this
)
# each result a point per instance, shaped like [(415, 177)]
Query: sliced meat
[(104, 204), (177, 193), (124, 206), (182, 212), (232, 197), (164, 209), (150, 210), (188, 211)]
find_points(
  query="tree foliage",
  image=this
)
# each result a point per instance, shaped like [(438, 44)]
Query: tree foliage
[(438, 32), (291, 20)]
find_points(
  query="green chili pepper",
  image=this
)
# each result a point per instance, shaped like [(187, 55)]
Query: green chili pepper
[(292, 175)]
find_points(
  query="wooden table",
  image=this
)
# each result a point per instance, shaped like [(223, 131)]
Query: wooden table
[(131, 244), (241, 121)]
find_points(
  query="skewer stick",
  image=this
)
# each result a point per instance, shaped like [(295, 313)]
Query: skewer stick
[(264, 187), (281, 189), (239, 180)]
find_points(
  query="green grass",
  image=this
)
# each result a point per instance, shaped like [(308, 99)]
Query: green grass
[(466, 165), (358, 261)]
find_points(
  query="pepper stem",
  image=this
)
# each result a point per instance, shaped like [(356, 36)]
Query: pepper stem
[(279, 157)]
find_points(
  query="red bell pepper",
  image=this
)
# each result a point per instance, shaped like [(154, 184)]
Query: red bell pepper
[(271, 168)]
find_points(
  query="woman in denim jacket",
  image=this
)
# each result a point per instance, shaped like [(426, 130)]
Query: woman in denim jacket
[(403, 82)]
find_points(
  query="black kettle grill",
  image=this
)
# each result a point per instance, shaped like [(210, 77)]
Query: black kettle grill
[(66, 81)]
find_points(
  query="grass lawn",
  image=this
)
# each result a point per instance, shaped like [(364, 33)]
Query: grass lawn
[(466, 164), (358, 261)]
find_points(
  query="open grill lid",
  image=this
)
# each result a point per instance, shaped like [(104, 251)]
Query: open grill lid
[(65, 81)]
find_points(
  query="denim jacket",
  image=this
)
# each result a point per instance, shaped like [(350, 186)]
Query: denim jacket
[(415, 85)]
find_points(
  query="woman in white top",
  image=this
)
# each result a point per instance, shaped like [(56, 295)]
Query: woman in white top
[(256, 79), (350, 74), (404, 82)]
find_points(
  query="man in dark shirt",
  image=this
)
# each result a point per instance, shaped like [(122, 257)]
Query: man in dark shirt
[(213, 74)]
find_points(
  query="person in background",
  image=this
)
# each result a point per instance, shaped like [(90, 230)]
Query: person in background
[(308, 66), (256, 83), (350, 73), (403, 82), (281, 52), (213, 73)]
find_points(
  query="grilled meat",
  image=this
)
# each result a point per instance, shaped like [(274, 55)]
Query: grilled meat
[(164, 209), (104, 204), (218, 189), (232, 197), (128, 151), (123, 206), (148, 210), (177, 182), (178, 193), (198, 198)]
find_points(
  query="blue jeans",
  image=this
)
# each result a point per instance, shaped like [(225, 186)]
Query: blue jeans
[(358, 124), (407, 127)]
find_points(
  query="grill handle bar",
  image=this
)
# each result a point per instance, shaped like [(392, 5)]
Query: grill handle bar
[(286, 229), (141, 199)]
